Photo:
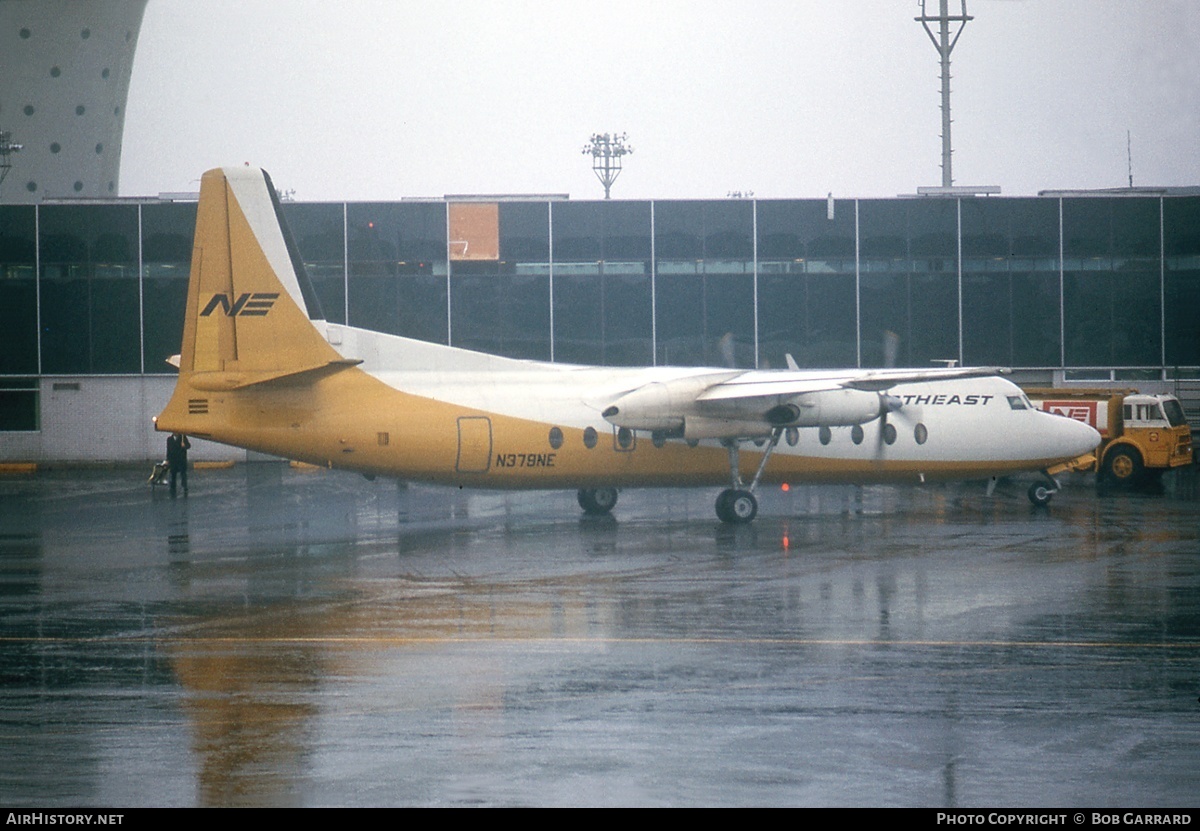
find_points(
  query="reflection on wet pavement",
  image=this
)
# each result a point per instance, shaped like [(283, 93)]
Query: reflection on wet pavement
[(310, 638)]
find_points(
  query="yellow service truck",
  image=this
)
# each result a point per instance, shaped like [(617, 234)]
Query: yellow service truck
[(1141, 436)]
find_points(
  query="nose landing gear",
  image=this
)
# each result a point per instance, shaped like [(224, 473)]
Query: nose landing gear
[(1040, 493)]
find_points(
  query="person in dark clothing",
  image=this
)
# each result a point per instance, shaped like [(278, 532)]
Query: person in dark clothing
[(177, 448)]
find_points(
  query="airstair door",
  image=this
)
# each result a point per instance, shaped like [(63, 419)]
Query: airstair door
[(474, 444)]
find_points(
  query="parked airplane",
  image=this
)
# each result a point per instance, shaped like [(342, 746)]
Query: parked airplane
[(258, 370)]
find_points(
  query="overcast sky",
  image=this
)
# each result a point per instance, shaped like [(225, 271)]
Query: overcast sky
[(382, 99)]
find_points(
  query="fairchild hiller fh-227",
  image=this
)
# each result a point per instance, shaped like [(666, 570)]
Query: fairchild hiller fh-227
[(258, 370)]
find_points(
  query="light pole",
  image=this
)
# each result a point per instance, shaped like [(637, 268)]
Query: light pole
[(606, 152), (945, 45)]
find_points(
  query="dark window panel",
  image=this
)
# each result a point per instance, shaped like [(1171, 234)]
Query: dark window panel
[(167, 238), (1183, 311), (318, 230), (602, 297), (397, 280), (705, 319), (1181, 226), (594, 231), (798, 229), (525, 232), (1010, 227), (909, 285), (602, 318), (392, 232), (500, 311), (1036, 321), (168, 232), (405, 300), (1100, 227), (705, 282), (918, 308), (19, 398), (18, 289), (1112, 316), (1010, 318), (807, 315), (90, 296), (699, 230)]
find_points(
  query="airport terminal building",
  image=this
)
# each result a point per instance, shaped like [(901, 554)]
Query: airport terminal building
[(1062, 287)]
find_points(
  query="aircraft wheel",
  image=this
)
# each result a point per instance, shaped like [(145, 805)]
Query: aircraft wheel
[(1040, 494), (736, 507), (1123, 466), (597, 501)]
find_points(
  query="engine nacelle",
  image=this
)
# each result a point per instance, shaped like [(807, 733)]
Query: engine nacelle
[(673, 408), (702, 427), (841, 408), (659, 405)]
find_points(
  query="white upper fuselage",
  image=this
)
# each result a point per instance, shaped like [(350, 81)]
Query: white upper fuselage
[(977, 425)]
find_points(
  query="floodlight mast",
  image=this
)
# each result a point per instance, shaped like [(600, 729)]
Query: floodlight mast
[(945, 45), (606, 152)]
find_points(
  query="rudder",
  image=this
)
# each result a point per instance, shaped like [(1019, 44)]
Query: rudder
[(247, 320), (246, 311)]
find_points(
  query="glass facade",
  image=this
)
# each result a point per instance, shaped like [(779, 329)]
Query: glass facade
[(602, 288), (807, 283), (90, 309), (1076, 282)]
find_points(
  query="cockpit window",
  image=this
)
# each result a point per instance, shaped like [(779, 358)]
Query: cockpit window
[(1018, 402)]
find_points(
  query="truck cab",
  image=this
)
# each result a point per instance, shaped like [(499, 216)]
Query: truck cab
[(1155, 436)]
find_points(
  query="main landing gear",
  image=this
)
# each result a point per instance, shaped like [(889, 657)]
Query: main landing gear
[(737, 505), (597, 501)]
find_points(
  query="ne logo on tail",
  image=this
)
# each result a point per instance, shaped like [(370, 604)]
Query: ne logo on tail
[(249, 304)]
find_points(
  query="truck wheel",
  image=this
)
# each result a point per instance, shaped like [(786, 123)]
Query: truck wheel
[(1123, 466)]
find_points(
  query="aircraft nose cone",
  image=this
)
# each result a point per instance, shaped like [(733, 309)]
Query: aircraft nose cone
[(1078, 438)]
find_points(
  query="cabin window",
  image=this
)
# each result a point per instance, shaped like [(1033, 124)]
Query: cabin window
[(556, 438), (921, 433), (624, 438), (589, 437), (825, 434), (856, 434)]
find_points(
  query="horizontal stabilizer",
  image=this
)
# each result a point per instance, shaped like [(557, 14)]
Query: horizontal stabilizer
[(223, 381)]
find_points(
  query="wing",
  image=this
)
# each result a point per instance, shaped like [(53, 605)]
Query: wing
[(755, 402), (769, 383)]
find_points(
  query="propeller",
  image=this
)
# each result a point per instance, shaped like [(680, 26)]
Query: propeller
[(887, 432), (726, 346), (891, 349)]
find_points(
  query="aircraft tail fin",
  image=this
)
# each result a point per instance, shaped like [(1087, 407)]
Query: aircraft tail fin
[(252, 319), (249, 301)]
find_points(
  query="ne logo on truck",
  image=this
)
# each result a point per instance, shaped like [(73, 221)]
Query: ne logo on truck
[(255, 304), (1084, 411)]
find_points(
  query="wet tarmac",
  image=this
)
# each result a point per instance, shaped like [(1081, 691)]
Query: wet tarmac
[(289, 638)]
